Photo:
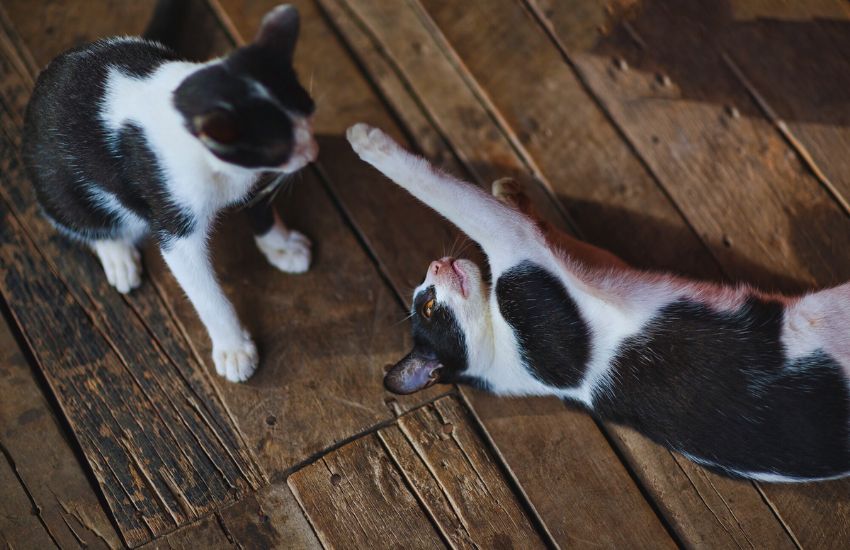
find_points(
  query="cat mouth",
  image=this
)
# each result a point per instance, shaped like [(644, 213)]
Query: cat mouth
[(461, 278)]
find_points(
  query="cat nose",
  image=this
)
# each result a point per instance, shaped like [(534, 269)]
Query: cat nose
[(437, 265), (311, 150)]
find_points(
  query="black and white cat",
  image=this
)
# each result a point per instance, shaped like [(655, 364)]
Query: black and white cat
[(748, 384), (124, 139)]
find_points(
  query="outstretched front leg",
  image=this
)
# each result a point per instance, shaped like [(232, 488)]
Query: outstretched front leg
[(512, 193), (504, 233)]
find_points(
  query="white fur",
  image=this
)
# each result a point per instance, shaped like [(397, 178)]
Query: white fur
[(121, 262), (202, 185), (615, 304), (287, 250)]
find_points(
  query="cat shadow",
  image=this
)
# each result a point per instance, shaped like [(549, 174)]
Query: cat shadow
[(648, 243), (775, 47)]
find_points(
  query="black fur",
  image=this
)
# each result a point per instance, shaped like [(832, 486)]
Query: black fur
[(718, 386), (69, 152), (67, 149), (554, 339), (439, 337)]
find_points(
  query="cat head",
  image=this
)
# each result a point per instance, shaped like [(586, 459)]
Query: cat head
[(450, 320), (249, 109)]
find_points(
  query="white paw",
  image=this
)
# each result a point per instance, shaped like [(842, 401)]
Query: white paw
[(287, 250), (121, 262), (370, 144), (237, 360)]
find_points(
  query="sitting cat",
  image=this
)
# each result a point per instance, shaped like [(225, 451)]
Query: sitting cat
[(748, 384), (124, 139)]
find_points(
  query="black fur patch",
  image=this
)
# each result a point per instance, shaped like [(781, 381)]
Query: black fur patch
[(69, 153), (719, 387), (554, 339), (440, 337)]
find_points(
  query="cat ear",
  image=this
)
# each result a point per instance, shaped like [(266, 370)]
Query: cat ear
[(279, 30), (220, 127), (416, 371)]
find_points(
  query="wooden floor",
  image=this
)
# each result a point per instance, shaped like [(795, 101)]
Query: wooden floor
[(709, 139)]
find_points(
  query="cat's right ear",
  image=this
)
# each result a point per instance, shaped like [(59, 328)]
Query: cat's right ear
[(218, 129), (279, 30), (416, 371)]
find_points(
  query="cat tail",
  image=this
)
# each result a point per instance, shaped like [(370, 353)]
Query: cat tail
[(167, 22)]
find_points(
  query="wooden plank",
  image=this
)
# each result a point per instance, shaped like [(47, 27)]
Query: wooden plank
[(445, 441), (20, 522), (158, 438), (796, 65), (603, 186), (534, 423), (270, 518), (732, 176), (44, 461), (354, 102), (324, 337), (356, 497), (431, 481), (205, 533)]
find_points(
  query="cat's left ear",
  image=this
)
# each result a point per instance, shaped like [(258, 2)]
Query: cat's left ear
[(416, 371), (279, 30)]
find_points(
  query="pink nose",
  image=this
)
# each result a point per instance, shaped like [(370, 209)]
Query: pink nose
[(440, 264), (309, 150)]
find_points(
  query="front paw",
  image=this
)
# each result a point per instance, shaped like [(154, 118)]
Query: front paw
[(287, 250), (371, 144), (236, 360)]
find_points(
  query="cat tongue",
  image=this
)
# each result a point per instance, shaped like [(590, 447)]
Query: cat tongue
[(411, 374)]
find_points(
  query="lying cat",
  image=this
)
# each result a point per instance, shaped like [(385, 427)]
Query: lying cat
[(748, 384), (123, 139)]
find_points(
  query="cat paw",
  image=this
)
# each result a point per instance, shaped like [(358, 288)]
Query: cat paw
[(370, 143), (121, 262), (287, 250), (236, 361)]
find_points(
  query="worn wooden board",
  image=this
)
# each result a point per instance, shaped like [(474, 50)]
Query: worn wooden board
[(270, 518), (794, 61), (150, 424), (355, 497), (733, 177), (19, 519), (205, 533), (44, 461), (601, 183), (703, 505), (324, 337), (431, 481)]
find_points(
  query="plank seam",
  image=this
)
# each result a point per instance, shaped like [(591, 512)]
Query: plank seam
[(35, 507), (549, 29), (415, 492), (782, 127)]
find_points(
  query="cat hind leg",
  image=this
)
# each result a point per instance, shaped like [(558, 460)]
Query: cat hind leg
[(121, 262)]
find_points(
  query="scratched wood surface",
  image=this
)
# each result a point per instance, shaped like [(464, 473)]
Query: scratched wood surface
[(664, 131), (426, 481)]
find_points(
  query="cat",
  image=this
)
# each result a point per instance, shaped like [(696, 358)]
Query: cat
[(747, 384), (124, 139)]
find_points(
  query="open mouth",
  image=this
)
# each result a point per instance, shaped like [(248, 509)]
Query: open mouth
[(464, 290)]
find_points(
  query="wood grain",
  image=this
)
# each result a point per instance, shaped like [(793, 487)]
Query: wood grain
[(596, 176), (737, 182), (356, 497), (431, 481), (151, 426), (43, 460), (270, 518)]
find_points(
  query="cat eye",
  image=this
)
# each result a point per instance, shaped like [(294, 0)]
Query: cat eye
[(427, 308)]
